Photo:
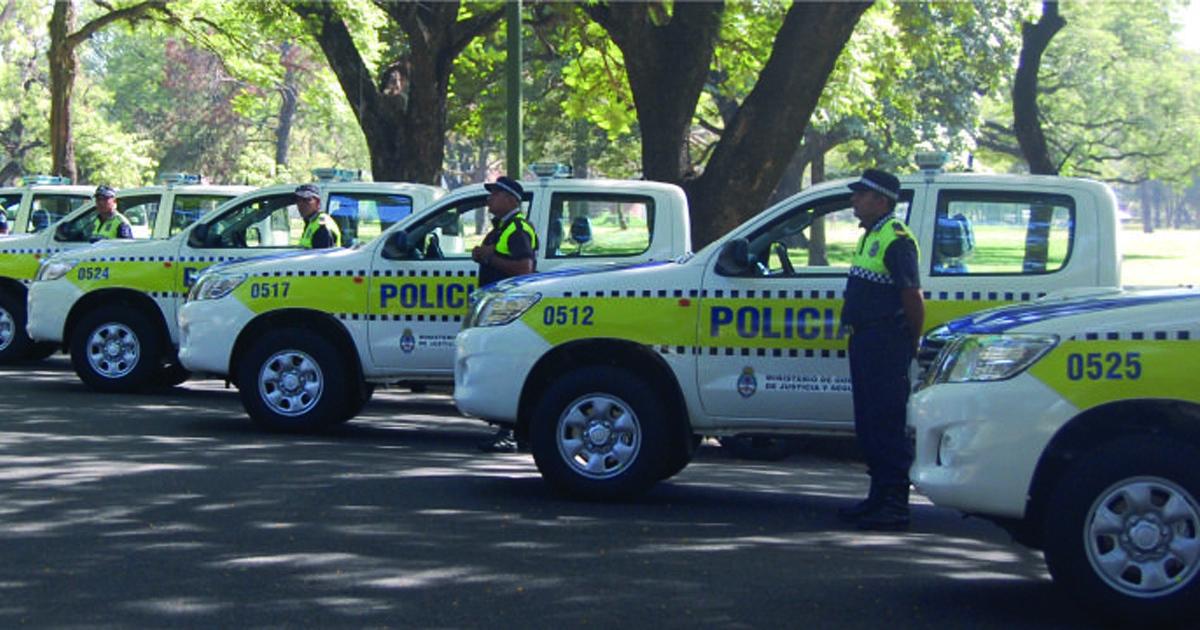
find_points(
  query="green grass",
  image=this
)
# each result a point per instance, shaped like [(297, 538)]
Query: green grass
[(1162, 258)]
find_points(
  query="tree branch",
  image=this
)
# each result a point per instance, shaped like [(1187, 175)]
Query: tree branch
[(131, 13)]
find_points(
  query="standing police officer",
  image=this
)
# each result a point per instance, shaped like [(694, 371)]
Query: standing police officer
[(108, 222), (320, 230), (508, 250), (885, 313)]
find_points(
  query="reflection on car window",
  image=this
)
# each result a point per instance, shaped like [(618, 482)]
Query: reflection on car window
[(591, 225), (260, 222), (1001, 233), (362, 216), (141, 211), (189, 208), (48, 209)]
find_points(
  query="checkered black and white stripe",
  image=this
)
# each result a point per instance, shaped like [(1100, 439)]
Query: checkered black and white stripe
[(870, 276)]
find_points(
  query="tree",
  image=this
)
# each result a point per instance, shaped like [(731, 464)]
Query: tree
[(756, 145), (63, 56), (1027, 124), (403, 112)]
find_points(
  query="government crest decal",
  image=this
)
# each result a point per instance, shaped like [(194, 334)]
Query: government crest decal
[(746, 383)]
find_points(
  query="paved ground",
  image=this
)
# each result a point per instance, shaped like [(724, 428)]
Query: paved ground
[(172, 510)]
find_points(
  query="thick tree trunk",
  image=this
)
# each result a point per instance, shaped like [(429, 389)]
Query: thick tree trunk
[(63, 66), (818, 255), (289, 93), (404, 117), (1027, 125), (667, 65), (755, 149)]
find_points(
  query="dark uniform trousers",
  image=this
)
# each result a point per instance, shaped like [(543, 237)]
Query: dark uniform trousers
[(880, 356)]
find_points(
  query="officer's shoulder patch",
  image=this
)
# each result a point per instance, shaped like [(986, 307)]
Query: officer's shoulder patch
[(900, 231)]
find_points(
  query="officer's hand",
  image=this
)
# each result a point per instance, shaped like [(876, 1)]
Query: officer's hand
[(482, 252)]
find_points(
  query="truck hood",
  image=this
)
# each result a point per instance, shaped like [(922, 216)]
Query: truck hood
[(617, 272), (295, 258), (1006, 318)]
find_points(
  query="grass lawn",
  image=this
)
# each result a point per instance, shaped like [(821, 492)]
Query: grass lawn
[(1166, 257)]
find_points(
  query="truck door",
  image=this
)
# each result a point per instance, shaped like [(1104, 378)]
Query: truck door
[(771, 344)]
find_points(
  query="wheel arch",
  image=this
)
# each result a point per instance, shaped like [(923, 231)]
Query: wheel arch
[(106, 297), (1174, 419), (619, 353), (319, 322)]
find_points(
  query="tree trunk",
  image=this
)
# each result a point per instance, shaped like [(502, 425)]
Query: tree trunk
[(289, 91), (1147, 208), (404, 117), (818, 255), (1027, 124), (63, 66), (667, 65), (754, 150)]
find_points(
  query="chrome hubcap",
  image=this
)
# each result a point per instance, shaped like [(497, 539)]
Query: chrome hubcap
[(599, 436), (1143, 537), (113, 350), (290, 383)]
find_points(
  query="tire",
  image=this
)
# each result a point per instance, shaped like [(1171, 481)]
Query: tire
[(117, 349), (358, 399), (15, 344), (171, 375), (1122, 530), (682, 456), (601, 433), (293, 380)]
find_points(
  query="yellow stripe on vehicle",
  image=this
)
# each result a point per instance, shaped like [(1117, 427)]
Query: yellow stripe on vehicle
[(1091, 373)]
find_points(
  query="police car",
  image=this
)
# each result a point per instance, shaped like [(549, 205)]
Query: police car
[(60, 219), (307, 338), (39, 201), (114, 307), (1075, 424), (614, 375)]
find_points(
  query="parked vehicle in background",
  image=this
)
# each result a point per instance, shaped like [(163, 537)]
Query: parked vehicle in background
[(1075, 425), (39, 201), (113, 307), (306, 339), (613, 376), (55, 224)]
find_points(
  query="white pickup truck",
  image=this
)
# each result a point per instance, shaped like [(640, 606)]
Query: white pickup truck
[(612, 376), (307, 338), (58, 218)]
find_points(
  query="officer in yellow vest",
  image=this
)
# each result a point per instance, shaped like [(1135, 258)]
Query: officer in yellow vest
[(508, 250), (109, 223), (885, 313), (320, 230)]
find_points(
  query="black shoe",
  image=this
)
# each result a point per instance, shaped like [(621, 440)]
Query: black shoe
[(891, 515), (851, 513), (504, 443)]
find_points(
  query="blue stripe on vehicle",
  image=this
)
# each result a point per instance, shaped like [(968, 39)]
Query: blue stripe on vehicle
[(1004, 319)]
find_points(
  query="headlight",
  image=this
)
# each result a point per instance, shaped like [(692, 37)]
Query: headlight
[(498, 310), (54, 269), (989, 357), (215, 286)]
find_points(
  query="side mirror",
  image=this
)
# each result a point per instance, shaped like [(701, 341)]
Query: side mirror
[(735, 258), (199, 235), (253, 237), (397, 246)]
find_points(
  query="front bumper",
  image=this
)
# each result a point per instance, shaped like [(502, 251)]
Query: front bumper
[(978, 444), (48, 306), (490, 368), (208, 332)]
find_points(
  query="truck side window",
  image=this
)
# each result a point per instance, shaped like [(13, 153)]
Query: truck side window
[(189, 208), (260, 222), (818, 236), (597, 224), (10, 205), (48, 209), (141, 212), (1001, 233), (362, 216), (451, 232)]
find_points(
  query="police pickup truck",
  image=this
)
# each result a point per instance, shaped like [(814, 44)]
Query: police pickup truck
[(60, 219), (1075, 424), (307, 338), (39, 201), (114, 307), (612, 376)]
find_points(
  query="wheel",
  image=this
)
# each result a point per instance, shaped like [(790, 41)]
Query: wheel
[(294, 380), (361, 395), (682, 456), (600, 433), (1123, 529), (15, 344), (117, 349)]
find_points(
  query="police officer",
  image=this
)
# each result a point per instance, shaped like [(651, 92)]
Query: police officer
[(109, 223), (320, 230), (885, 313), (508, 250)]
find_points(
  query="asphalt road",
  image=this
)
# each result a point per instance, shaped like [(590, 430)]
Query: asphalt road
[(170, 509)]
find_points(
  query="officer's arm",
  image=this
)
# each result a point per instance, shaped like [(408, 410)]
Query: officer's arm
[(914, 312), (322, 238), (511, 266), (902, 262)]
